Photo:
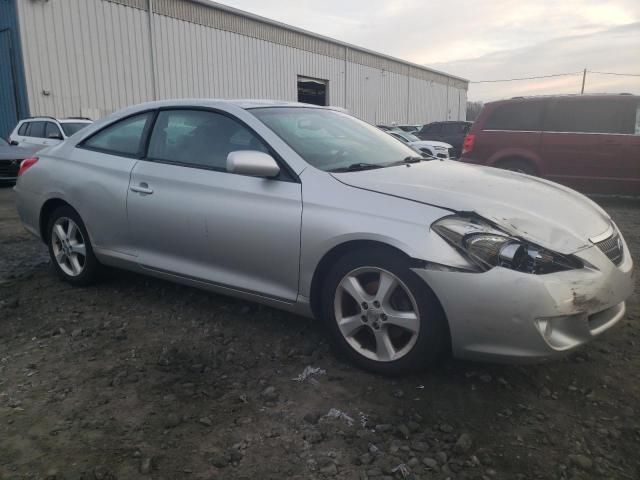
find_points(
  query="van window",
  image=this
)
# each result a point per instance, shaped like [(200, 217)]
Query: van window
[(520, 116), (592, 116)]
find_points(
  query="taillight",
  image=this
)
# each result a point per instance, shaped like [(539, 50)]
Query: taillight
[(469, 141), (26, 164)]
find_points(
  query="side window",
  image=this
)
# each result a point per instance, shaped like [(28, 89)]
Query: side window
[(36, 130), (399, 137), (121, 138), (199, 138), (637, 127), (517, 116), (450, 128), (591, 116), (437, 128), (51, 130), (22, 131)]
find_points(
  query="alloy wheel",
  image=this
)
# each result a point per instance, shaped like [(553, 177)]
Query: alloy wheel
[(69, 249), (376, 314)]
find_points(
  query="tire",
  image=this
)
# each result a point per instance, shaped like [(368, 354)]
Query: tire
[(410, 350), (519, 166), (73, 264)]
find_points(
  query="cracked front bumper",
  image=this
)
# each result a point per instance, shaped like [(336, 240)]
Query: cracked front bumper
[(504, 315)]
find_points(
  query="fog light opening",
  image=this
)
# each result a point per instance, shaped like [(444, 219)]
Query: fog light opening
[(545, 327)]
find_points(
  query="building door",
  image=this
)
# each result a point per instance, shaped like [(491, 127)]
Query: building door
[(8, 89), (313, 90)]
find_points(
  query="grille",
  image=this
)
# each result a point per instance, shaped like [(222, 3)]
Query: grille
[(612, 248), (9, 168)]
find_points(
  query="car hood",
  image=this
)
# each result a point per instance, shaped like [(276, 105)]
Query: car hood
[(540, 211), (429, 143)]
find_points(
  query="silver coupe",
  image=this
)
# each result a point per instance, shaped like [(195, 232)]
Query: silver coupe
[(311, 210)]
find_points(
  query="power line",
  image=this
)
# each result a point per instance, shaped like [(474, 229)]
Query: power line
[(555, 75), (527, 78), (614, 73)]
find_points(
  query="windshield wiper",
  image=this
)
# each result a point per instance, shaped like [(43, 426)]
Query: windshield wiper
[(354, 167), (406, 161)]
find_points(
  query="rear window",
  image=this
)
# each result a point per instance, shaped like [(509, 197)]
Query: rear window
[(436, 128), (520, 116), (71, 128), (592, 116)]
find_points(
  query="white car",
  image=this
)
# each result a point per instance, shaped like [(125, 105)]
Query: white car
[(44, 132), (430, 147)]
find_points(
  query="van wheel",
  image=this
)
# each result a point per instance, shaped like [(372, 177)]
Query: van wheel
[(519, 166), (70, 248), (381, 315)]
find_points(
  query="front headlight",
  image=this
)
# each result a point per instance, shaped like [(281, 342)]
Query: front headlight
[(487, 246)]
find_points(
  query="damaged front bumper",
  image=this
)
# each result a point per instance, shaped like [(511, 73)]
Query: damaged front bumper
[(505, 315)]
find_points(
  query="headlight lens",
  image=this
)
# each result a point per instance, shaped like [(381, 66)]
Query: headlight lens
[(487, 247)]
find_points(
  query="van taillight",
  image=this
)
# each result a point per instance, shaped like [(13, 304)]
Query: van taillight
[(26, 164), (467, 146)]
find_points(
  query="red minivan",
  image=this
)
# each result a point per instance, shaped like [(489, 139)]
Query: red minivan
[(588, 142)]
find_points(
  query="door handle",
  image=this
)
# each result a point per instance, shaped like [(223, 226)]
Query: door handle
[(142, 188)]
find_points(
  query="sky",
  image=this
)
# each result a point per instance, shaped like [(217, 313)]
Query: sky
[(485, 40)]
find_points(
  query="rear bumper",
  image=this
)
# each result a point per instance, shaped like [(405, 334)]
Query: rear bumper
[(503, 315), (28, 205)]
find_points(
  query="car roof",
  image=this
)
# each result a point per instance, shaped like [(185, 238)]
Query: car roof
[(45, 118), (448, 121), (245, 104), (75, 120), (566, 95)]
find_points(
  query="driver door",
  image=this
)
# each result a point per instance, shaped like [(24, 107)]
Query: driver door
[(190, 217)]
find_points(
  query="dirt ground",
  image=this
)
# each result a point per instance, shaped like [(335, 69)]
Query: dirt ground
[(139, 378)]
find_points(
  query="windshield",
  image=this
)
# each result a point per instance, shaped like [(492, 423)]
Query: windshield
[(331, 140), (71, 128), (409, 137)]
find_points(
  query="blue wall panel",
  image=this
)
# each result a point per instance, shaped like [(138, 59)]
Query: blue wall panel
[(13, 96)]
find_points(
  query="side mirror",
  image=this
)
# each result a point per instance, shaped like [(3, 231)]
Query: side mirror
[(253, 163), (54, 136)]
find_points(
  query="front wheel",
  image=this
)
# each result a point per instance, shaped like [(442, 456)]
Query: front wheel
[(381, 315), (70, 248)]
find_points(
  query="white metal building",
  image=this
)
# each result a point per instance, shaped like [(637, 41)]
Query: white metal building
[(91, 57)]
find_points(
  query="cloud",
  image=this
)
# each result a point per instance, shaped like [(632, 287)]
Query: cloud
[(612, 50), (480, 39)]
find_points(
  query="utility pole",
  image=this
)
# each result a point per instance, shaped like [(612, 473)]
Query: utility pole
[(584, 78)]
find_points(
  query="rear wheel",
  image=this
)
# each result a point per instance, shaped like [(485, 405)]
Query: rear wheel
[(70, 248), (381, 315), (518, 165)]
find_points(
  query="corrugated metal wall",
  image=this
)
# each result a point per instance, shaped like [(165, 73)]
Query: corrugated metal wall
[(91, 57), (84, 57), (13, 95)]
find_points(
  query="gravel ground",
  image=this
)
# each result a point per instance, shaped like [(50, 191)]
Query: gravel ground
[(139, 378)]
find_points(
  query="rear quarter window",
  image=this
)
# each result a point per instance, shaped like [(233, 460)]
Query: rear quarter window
[(23, 129), (516, 116), (597, 115)]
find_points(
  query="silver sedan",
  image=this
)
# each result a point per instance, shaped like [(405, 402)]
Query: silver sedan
[(311, 210)]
